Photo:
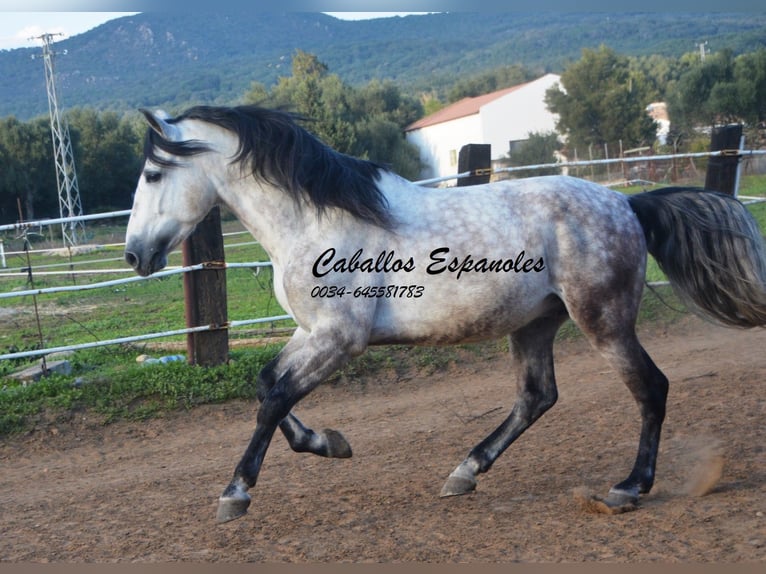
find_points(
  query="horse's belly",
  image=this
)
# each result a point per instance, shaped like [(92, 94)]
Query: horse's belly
[(460, 315)]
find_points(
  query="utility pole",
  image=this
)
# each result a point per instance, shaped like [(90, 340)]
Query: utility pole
[(703, 50), (66, 176)]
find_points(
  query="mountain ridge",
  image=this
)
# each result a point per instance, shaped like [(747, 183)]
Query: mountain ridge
[(176, 59)]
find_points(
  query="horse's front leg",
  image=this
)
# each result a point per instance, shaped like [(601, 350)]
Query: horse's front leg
[(303, 363), (328, 443)]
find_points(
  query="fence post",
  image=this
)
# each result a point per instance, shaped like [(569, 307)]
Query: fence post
[(205, 293), (473, 157), (722, 170)]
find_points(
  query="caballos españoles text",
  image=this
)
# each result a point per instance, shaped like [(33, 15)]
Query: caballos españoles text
[(439, 261)]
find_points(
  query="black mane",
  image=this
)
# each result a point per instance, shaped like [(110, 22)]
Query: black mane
[(285, 154)]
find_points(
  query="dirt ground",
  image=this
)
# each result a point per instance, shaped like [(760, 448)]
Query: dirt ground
[(148, 491)]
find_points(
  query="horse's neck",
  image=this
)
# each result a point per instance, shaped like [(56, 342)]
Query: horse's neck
[(269, 214), (281, 225)]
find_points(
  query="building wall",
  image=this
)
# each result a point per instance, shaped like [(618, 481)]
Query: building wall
[(513, 116), (510, 117), (440, 144)]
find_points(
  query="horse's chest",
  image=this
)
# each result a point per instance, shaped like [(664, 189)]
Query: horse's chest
[(279, 289)]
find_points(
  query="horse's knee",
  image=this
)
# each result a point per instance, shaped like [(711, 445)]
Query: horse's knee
[(275, 406), (546, 400), (265, 380), (537, 397)]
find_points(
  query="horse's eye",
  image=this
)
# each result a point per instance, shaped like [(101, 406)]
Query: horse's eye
[(152, 176)]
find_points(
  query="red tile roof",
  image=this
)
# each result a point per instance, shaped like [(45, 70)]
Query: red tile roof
[(460, 109)]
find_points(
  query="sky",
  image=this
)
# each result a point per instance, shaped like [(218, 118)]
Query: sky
[(17, 27)]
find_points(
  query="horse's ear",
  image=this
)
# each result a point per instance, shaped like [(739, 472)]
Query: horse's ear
[(157, 122)]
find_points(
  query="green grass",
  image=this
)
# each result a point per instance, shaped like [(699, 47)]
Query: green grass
[(154, 305), (108, 384)]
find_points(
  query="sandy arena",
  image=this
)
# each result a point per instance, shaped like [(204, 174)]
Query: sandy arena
[(79, 491)]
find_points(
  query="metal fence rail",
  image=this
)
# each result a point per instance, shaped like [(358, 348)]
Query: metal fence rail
[(136, 338), (599, 162)]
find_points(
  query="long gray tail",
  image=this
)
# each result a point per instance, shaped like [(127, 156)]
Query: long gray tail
[(711, 249)]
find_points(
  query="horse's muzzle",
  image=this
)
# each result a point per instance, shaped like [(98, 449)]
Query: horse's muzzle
[(147, 263)]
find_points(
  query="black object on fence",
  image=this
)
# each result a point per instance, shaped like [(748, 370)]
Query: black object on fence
[(721, 172), (205, 293), (475, 158)]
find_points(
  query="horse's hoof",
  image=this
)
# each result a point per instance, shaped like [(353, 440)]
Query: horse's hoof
[(337, 445), (457, 485), (616, 502), (231, 507)]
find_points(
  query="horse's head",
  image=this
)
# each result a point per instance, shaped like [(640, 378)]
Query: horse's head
[(174, 193)]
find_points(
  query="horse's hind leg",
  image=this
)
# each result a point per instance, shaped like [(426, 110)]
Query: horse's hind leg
[(649, 387), (532, 352), (608, 318)]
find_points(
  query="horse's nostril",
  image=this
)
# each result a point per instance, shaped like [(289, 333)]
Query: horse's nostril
[(132, 259)]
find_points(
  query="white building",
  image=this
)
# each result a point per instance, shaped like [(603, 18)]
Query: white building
[(500, 119), (658, 111)]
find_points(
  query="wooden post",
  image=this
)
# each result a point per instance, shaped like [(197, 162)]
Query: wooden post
[(721, 172), (205, 293), (473, 157)]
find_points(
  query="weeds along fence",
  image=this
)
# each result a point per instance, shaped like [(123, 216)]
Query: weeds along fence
[(60, 299)]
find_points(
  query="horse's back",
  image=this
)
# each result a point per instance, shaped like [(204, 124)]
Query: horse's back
[(534, 202), (569, 222), (492, 258)]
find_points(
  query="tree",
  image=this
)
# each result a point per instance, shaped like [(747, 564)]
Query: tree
[(750, 76), (725, 88), (27, 173), (379, 112), (540, 148), (107, 151), (106, 157), (366, 122), (386, 99), (659, 73), (695, 99), (489, 81), (603, 101), (315, 94), (722, 89), (8, 174)]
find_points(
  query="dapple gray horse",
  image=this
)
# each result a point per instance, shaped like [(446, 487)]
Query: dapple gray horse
[(363, 257)]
